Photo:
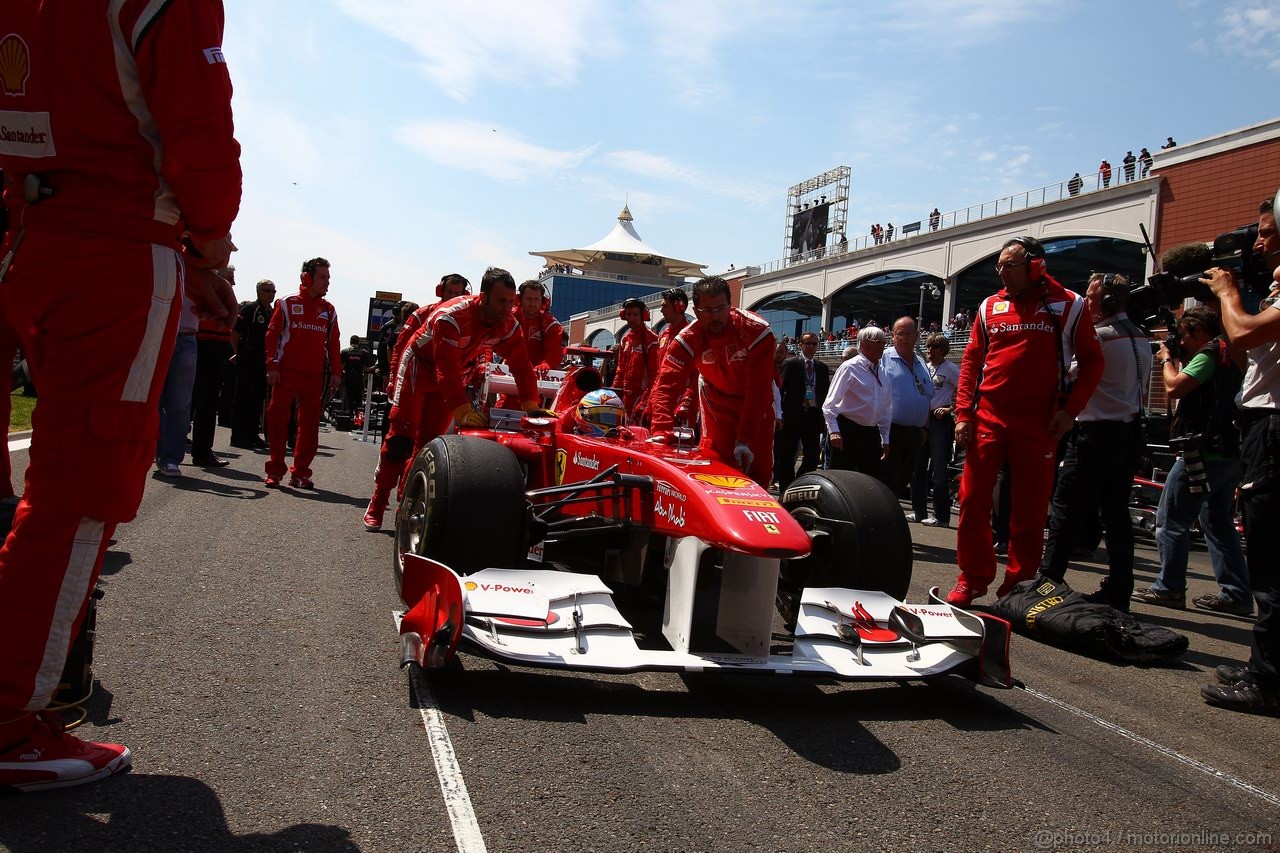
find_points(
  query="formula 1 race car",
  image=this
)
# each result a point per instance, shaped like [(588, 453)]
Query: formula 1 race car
[(528, 541)]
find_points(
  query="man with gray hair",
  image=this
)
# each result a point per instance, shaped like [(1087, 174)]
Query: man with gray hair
[(859, 409)]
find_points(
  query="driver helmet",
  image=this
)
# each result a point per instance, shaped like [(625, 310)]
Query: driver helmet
[(600, 411)]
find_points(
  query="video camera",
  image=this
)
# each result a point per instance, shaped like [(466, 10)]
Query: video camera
[(1183, 266)]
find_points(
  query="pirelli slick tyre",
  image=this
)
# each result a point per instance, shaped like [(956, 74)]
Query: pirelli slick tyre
[(863, 543), (464, 505)]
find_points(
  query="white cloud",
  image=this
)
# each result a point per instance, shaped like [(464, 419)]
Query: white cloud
[(657, 167), (986, 156), (461, 45), (949, 25), (492, 151), (1252, 29)]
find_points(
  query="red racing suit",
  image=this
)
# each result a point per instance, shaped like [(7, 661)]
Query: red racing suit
[(544, 337), (302, 341), (637, 367), (736, 370), (684, 408), (94, 288), (436, 356), (407, 331), (1012, 383)]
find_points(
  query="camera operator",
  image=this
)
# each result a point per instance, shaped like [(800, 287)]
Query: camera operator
[(1104, 446), (1256, 688), (1201, 375)]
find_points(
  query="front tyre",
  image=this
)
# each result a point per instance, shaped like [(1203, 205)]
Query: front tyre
[(464, 505), (867, 543)]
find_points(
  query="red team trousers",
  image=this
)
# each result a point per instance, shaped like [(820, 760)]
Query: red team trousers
[(1026, 443), (97, 318), (308, 390)]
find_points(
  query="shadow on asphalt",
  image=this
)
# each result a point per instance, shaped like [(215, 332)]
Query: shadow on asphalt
[(209, 487), (137, 811), (113, 561), (820, 721), (321, 496)]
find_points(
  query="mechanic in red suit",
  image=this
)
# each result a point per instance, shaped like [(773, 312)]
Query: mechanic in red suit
[(1014, 403), (302, 342), (732, 351), (93, 285), (404, 416), (543, 334), (451, 286), (637, 358), (453, 335), (674, 303)]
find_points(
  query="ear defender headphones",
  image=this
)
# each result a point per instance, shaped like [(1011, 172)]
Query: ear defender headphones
[(634, 303), (444, 278), (1114, 293), (1035, 258)]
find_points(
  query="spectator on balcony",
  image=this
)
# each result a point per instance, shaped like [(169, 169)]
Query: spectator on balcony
[(935, 219), (1144, 160), (1075, 184), (1129, 162), (1168, 145), (888, 232), (1104, 172)]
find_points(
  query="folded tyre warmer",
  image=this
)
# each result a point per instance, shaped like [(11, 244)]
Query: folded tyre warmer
[(1054, 613)]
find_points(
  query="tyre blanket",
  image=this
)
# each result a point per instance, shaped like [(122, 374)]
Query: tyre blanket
[(1056, 614)]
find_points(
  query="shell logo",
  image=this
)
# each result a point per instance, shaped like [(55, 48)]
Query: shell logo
[(470, 586), (15, 64), (723, 482)]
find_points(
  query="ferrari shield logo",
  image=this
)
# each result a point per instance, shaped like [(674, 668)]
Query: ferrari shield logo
[(723, 482), (562, 459), (771, 528)]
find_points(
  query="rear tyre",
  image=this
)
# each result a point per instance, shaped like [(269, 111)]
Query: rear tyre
[(464, 505), (868, 542)]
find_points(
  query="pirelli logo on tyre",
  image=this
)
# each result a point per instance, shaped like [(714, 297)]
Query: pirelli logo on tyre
[(799, 494)]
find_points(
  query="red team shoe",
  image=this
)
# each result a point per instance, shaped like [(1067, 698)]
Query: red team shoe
[(296, 482), (373, 518), (963, 594), (48, 757), (271, 482)]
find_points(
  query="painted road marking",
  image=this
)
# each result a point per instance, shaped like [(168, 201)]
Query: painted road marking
[(20, 444), (1220, 775), (466, 829)]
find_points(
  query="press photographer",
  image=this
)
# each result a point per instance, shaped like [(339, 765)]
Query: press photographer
[(1183, 269), (1256, 688)]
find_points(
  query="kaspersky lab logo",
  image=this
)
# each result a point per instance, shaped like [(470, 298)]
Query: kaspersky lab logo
[(15, 65)]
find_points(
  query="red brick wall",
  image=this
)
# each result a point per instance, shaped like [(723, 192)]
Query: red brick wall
[(735, 291), (1206, 197)]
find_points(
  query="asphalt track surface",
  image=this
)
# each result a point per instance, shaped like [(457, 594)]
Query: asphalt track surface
[(247, 655)]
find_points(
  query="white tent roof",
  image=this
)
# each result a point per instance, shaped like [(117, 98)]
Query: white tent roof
[(622, 240)]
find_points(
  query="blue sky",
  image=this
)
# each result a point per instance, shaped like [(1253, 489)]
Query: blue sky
[(405, 139)]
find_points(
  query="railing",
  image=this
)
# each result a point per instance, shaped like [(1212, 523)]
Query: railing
[(653, 302), (657, 281), (1070, 188)]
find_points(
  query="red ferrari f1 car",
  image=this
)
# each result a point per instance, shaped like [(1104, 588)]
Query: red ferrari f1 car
[(537, 544)]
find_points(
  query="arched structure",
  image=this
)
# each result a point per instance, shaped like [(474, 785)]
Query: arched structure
[(1070, 260), (792, 313), (887, 296)]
